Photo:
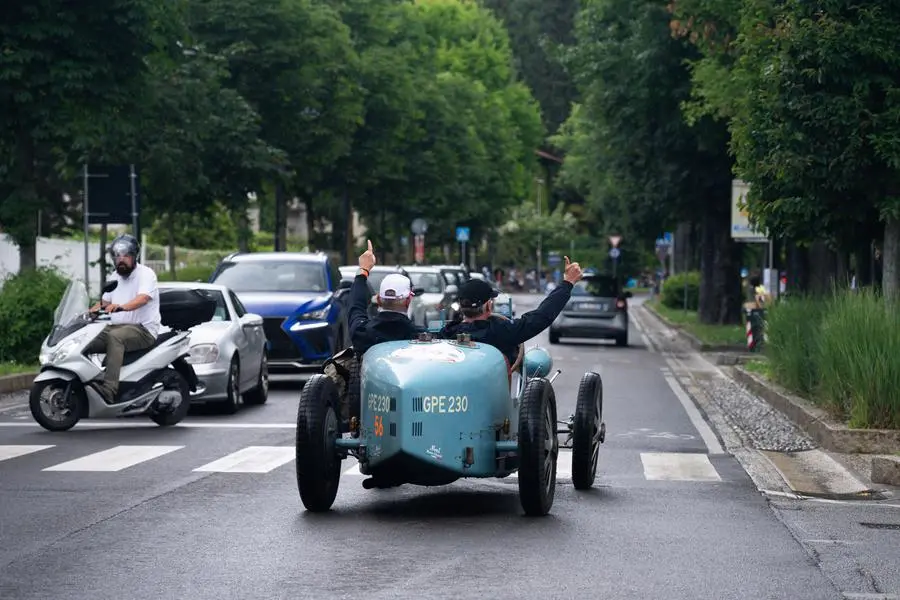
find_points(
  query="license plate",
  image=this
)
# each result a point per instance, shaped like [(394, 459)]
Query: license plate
[(592, 306)]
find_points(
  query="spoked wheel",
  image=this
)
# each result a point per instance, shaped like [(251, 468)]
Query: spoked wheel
[(176, 387), (538, 448), (50, 407), (588, 431), (317, 461)]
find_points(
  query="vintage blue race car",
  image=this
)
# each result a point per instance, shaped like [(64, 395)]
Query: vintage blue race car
[(434, 411)]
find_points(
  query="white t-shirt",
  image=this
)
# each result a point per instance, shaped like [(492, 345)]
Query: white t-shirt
[(141, 281)]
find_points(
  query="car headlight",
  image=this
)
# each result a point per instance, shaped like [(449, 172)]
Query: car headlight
[(316, 315), (203, 354)]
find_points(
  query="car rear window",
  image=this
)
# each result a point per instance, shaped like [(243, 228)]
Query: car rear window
[(429, 281), (598, 287)]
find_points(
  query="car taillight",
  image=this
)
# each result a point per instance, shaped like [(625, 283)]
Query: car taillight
[(620, 304)]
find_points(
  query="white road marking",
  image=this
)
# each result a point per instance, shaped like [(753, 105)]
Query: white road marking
[(253, 459), (675, 466), (8, 452), (114, 459), (702, 427), (353, 471)]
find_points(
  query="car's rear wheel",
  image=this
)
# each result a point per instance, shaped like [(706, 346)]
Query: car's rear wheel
[(538, 448), (317, 462), (622, 340), (588, 431), (554, 337)]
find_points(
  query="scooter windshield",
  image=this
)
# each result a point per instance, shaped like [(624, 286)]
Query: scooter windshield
[(75, 301)]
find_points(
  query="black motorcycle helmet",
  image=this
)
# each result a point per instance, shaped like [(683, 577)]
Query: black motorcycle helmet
[(124, 245)]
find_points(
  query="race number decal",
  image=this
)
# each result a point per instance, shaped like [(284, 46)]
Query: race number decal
[(379, 426), (379, 403), (445, 404)]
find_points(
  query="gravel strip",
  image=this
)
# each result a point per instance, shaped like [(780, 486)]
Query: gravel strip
[(762, 426), (13, 399)]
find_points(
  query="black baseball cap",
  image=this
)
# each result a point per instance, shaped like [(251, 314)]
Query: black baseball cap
[(476, 292)]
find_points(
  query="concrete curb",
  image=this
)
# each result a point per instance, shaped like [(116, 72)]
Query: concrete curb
[(886, 469), (691, 339), (829, 434), (16, 383)]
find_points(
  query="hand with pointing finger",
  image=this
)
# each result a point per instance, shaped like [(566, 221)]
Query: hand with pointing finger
[(367, 258), (573, 272)]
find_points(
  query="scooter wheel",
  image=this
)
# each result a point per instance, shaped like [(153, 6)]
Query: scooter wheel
[(175, 383), (69, 411)]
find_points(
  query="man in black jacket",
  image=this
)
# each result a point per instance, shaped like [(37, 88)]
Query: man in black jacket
[(391, 323), (476, 303)]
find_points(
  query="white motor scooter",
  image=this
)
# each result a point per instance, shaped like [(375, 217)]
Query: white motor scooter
[(154, 382)]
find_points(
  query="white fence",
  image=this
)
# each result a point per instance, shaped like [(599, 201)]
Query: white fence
[(65, 255)]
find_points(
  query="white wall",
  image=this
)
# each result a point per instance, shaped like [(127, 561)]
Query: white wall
[(66, 255)]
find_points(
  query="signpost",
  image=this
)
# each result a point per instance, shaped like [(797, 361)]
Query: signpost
[(614, 240), (419, 227), (110, 197), (462, 236)]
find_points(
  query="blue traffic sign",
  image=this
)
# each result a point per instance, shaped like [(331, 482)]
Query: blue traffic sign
[(669, 236), (553, 258), (614, 253), (462, 234)]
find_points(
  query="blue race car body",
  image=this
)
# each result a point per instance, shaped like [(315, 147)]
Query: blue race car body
[(301, 299), (433, 411)]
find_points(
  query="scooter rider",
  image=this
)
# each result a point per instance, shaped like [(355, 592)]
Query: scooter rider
[(134, 312), (476, 303)]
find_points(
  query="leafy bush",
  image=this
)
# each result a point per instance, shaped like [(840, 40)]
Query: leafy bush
[(28, 301), (841, 352), (190, 273), (672, 294), (792, 329)]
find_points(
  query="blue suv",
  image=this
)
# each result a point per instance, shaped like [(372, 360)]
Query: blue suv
[(301, 299)]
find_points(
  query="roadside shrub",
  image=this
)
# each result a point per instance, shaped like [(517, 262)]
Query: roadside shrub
[(28, 301), (189, 273), (672, 294), (859, 359), (841, 352), (793, 333)]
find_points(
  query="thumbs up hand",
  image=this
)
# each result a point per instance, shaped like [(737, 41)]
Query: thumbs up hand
[(573, 272), (367, 258)]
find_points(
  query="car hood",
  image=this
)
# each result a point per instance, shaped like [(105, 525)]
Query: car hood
[(210, 332), (282, 304)]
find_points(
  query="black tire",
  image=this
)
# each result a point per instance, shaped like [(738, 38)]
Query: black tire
[(260, 393), (622, 340), (354, 390), (587, 431), (537, 462), (233, 399), (317, 462), (554, 337), (73, 406), (167, 418)]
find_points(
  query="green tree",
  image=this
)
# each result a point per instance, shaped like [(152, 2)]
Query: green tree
[(72, 72)]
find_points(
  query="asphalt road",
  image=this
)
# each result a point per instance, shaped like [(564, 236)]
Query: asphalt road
[(671, 515)]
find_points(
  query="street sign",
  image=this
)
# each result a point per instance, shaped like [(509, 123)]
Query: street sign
[(669, 236), (614, 253), (419, 227), (553, 258), (614, 240), (462, 234)]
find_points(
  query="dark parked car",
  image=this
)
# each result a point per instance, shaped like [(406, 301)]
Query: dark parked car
[(598, 309)]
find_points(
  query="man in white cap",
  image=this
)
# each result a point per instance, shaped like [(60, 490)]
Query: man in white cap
[(391, 323)]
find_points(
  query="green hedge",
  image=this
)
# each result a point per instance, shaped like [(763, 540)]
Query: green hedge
[(672, 294), (842, 352), (190, 273), (28, 301)]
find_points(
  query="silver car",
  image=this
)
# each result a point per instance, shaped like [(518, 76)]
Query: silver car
[(435, 294), (228, 353)]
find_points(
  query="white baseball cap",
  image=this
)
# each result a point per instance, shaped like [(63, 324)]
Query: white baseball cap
[(395, 286)]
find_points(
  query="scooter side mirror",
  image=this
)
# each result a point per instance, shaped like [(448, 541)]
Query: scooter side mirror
[(110, 286)]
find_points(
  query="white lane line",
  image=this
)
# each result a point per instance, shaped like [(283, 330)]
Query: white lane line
[(702, 427), (114, 459), (8, 452), (253, 459), (563, 466), (675, 466), (133, 423), (353, 471)]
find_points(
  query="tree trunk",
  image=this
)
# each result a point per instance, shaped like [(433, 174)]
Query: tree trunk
[(683, 247), (171, 235), (891, 261), (244, 233), (823, 267), (798, 269), (862, 256), (726, 277), (349, 233), (707, 308), (27, 255)]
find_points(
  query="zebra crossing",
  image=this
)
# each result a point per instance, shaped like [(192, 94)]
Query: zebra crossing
[(657, 466)]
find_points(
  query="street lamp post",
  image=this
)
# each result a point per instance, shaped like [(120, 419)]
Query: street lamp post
[(540, 208)]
